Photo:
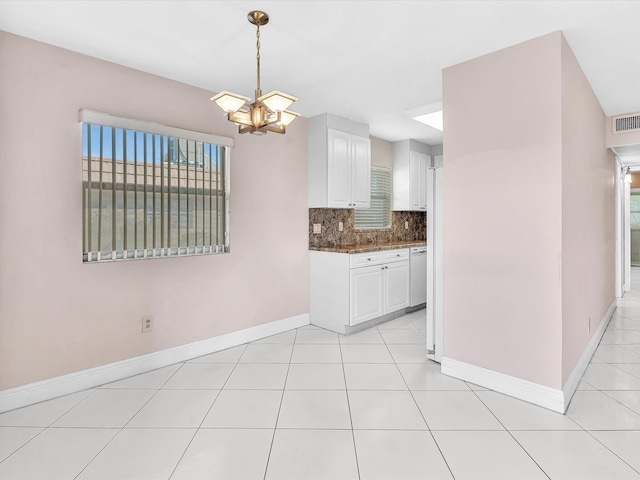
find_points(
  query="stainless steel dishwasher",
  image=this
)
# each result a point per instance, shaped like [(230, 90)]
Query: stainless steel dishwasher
[(418, 266)]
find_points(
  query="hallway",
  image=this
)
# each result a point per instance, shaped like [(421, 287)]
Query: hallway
[(312, 404)]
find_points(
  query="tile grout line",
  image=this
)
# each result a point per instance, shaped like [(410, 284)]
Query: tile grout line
[(346, 389), (624, 371), (418, 406), (614, 453), (25, 443), (620, 403), (284, 387), (120, 430), (513, 436), (206, 414), (49, 425)]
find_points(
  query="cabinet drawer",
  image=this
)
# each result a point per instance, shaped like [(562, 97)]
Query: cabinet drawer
[(364, 259), (396, 255)]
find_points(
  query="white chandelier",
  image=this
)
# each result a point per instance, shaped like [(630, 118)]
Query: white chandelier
[(269, 112)]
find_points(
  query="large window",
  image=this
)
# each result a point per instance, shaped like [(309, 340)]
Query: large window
[(379, 213), (152, 191)]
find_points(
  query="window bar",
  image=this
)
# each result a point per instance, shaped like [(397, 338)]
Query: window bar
[(179, 156), (162, 139), (153, 189), (90, 209), (223, 162), (145, 194), (210, 197), (100, 192), (114, 210), (135, 194), (169, 196), (195, 196), (84, 217), (218, 149), (203, 200), (188, 226), (125, 184), (187, 190)]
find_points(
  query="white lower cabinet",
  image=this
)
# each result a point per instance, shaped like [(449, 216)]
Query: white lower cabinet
[(366, 294), (378, 290), (347, 290), (397, 287)]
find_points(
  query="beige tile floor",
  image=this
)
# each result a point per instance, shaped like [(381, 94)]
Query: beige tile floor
[(312, 404)]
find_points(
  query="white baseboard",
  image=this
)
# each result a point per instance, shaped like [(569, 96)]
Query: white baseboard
[(74, 382), (547, 397), (515, 387), (573, 381)]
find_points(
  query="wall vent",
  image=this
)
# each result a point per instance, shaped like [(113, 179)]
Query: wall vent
[(626, 123)]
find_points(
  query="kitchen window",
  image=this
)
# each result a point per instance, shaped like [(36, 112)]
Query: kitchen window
[(152, 191), (378, 215)]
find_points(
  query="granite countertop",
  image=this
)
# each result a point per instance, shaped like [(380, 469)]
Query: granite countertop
[(371, 247)]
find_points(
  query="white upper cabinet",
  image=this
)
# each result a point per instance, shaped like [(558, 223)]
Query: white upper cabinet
[(361, 164), (411, 163), (338, 169), (339, 163)]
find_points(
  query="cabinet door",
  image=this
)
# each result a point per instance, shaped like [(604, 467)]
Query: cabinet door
[(414, 178), (419, 166), (366, 294), (361, 172), (397, 286), (338, 169), (424, 168)]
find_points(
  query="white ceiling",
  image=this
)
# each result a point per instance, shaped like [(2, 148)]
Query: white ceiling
[(369, 61)]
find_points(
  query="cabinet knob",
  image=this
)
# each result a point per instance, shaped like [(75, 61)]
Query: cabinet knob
[(368, 259)]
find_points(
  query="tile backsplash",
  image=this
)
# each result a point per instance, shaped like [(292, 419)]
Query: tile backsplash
[(330, 235)]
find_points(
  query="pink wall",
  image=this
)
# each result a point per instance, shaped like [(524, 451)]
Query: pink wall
[(529, 212), (58, 315), (588, 213), (502, 205)]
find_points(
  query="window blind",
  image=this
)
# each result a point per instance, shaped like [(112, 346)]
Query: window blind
[(148, 195), (378, 215)]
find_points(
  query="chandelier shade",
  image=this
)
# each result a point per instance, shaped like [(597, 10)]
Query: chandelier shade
[(277, 101), (286, 117), (229, 102), (268, 113)]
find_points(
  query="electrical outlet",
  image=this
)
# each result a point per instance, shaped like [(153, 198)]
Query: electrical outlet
[(317, 228), (406, 225), (340, 227), (147, 324)]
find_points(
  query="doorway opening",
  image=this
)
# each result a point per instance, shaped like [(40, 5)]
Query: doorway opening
[(634, 225)]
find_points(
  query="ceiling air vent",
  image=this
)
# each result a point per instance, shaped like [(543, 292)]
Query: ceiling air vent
[(626, 123)]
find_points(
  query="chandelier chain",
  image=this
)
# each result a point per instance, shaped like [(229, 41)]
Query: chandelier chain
[(258, 52)]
